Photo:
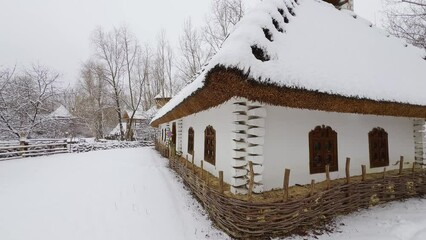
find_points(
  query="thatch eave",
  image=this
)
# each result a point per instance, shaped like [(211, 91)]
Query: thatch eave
[(223, 83)]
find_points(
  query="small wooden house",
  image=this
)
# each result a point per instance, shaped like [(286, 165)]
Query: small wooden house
[(300, 84)]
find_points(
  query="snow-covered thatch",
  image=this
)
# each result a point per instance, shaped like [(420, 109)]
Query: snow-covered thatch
[(310, 45), (60, 112)]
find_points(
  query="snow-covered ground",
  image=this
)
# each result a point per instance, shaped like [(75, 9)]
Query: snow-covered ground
[(131, 194), (120, 194), (392, 221)]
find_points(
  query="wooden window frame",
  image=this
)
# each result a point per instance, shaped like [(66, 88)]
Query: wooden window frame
[(191, 140), (174, 133), (378, 148), (322, 146), (210, 145)]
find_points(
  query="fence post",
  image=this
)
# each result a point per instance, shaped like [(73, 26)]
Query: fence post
[(348, 176), (251, 183), (202, 169), (327, 176), (193, 165), (401, 164), (221, 182), (311, 193), (414, 167), (364, 171), (384, 172), (285, 184)]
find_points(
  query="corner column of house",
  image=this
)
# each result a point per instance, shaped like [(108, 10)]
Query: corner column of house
[(256, 114), (248, 140), (239, 148), (419, 140)]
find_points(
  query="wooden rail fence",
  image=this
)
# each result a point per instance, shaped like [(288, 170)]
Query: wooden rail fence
[(247, 219), (22, 151)]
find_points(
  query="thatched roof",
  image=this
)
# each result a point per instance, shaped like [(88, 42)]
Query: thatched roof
[(307, 54)]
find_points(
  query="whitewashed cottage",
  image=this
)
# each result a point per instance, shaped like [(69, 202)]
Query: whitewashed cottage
[(300, 84)]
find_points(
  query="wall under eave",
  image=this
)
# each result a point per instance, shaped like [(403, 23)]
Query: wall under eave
[(221, 119), (287, 142)]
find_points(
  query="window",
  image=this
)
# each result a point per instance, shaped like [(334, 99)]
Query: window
[(191, 140), (174, 134), (379, 151), (210, 145), (322, 149)]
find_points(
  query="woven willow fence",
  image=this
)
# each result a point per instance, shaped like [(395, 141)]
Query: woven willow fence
[(243, 219)]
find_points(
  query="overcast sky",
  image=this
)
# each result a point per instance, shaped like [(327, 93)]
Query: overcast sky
[(56, 33)]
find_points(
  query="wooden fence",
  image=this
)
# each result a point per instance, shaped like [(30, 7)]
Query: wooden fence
[(247, 219), (18, 151)]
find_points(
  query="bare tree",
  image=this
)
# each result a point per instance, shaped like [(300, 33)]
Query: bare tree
[(224, 15), (90, 102), (162, 68), (136, 75), (110, 53), (193, 52), (407, 19), (26, 99)]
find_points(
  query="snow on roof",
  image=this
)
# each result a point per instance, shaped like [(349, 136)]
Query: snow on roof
[(116, 130), (60, 112), (141, 115), (316, 47)]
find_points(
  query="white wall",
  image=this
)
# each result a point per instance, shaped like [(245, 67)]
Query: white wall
[(287, 142), (221, 119)]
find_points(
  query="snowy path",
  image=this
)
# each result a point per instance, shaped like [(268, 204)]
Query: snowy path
[(115, 194)]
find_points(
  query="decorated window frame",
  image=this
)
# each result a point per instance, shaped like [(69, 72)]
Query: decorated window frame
[(191, 140), (323, 150), (378, 147), (210, 145)]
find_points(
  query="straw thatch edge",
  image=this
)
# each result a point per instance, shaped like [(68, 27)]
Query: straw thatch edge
[(223, 83)]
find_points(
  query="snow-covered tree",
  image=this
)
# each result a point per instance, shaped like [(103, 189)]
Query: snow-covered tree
[(220, 21), (407, 19), (26, 98)]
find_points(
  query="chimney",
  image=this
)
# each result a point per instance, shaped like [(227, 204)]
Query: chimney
[(161, 101), (342, 4)]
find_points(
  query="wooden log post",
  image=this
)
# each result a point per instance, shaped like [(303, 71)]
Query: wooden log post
[(327, 176), (312, 190), (413, 170), (401, 164), (202, 169), (251, 180), (221, 182), (347, 170), (364, 172), (384, 172), (193, 164), (286, 184)]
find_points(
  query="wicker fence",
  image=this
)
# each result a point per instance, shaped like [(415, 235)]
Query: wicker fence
[(244, 219)]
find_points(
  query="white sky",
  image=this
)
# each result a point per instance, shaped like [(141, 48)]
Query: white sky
[(57, 33)]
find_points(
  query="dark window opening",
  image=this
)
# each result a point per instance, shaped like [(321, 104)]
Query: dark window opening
[(322, 149), (191, 140), (268, 34), (210, 145), (277, 25), (174, 134), (259, 53), (378, 145)]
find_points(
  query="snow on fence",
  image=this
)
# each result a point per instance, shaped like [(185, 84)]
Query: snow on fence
[(12, 150), (20, 151), (244, 217), (88, 147)]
